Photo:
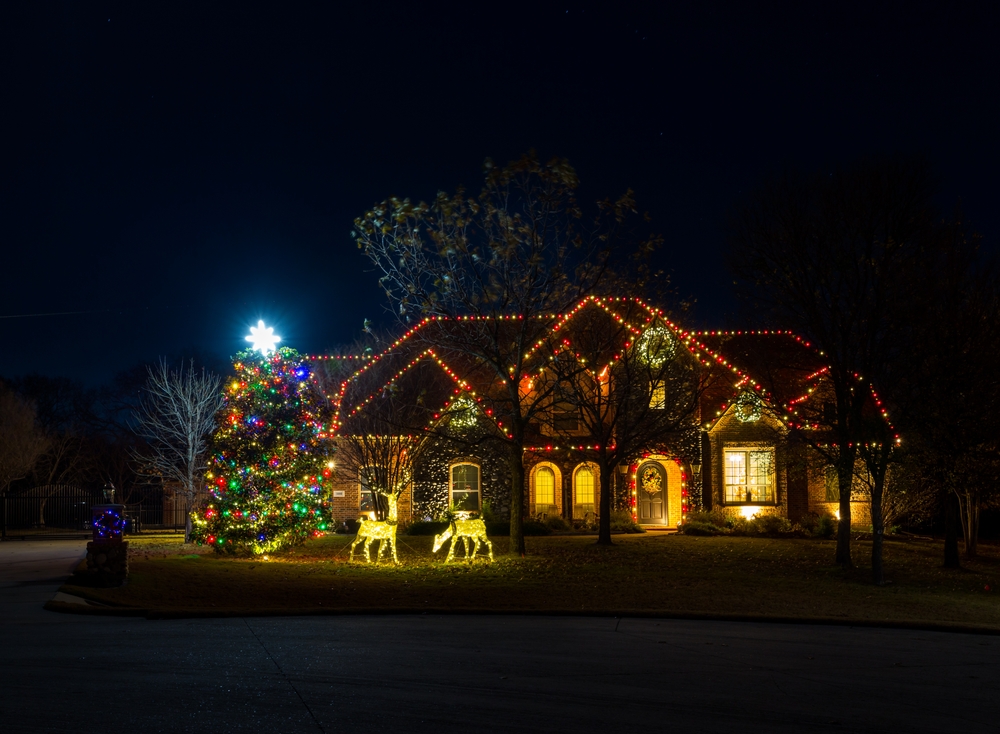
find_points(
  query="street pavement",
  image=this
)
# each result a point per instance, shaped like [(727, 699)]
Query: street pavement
[(74, 673)]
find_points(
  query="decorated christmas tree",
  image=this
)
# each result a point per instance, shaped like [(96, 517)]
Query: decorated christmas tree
[(270, 458)]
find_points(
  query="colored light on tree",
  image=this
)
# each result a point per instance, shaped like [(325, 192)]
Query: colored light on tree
[(267, 479)]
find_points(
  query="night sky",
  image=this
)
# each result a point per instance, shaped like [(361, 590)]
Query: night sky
[(176, 171)]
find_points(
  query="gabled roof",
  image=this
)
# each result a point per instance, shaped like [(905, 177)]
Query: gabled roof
[(780, 367)]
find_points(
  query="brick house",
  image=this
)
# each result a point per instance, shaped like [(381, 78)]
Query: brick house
[(735, 455)]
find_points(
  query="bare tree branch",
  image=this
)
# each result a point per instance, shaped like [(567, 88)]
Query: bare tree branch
[(176, 416)]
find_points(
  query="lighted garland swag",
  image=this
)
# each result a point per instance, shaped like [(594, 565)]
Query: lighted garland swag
[(269, 458)]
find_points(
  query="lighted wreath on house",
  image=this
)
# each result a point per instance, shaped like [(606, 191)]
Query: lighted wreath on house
[(748, 407), (656, 346), (463, 414), (651, 482)]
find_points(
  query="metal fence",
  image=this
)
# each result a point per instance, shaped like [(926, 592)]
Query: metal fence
[(56, 512)]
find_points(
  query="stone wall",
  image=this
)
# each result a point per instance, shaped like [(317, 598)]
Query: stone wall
[(107, 563)]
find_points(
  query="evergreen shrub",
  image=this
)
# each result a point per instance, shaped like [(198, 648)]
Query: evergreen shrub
[(826, 527), (427, 527), (622, 522), (770, 525), (557, 524), (694, 527), (533, 527)]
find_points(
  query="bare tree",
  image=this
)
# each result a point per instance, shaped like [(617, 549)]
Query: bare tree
[(488, 277), (382, 443), (833, 257), (22, 442), (638, 389), (176, 416)]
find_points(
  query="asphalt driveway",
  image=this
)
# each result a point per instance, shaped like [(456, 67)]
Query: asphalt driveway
[(73, 673)]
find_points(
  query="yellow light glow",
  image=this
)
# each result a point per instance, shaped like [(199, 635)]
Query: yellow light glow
[(383, 531), (470, 532), (836, 514), (749, 511)]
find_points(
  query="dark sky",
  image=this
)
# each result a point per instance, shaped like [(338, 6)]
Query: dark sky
[(178, 171)]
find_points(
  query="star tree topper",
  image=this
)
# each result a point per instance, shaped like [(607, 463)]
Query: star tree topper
[(263, 338)]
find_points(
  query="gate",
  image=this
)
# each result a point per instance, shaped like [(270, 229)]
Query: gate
[(48, 513), (58, 511)]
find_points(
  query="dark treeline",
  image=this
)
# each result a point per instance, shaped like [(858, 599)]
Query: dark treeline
[(905, 307), (56, 431)]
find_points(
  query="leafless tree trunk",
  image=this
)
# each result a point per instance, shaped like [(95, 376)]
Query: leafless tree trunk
[(630, 388), (176, 416), (951, 523), (22, 442), (968, 503), (838, 258)]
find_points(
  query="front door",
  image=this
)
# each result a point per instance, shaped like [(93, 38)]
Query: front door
[(651, 491)]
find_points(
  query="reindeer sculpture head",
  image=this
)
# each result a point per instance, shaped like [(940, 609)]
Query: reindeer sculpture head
[(472, 533), (441, 539)]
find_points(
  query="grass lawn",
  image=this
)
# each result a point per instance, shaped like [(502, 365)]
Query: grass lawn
[(650, 573)]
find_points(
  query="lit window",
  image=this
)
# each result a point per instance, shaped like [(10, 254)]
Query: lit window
[(367, 498), (749, 476), (658, 396), (832, 484), (585, 485), (545, 488), (465, 487)]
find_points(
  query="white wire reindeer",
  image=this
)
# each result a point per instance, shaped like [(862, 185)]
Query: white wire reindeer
[(468, 531), (383, 531)]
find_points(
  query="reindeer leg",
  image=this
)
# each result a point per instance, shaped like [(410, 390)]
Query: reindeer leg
[(451, 550), (488, 545), (395, 558), (382, 546), (368, 555), (350, 557)]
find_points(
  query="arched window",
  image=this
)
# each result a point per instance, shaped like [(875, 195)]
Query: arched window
[(585, 485), (545, 488), (585, 491), (464, 490)]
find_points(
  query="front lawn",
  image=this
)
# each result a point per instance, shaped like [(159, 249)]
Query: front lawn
[(648, 573)]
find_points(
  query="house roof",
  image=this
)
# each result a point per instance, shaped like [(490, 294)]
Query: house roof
[(779, 366)]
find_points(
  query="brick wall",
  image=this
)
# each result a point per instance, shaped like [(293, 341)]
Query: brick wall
[(348, 507)]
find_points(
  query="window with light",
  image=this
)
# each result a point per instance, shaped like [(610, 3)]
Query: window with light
[(545, 488), (585, 484), (832, 484), (658, 396), (749, 476), (465, 488)]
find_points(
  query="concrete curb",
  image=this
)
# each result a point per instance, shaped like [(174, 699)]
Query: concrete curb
[(180, 613)]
